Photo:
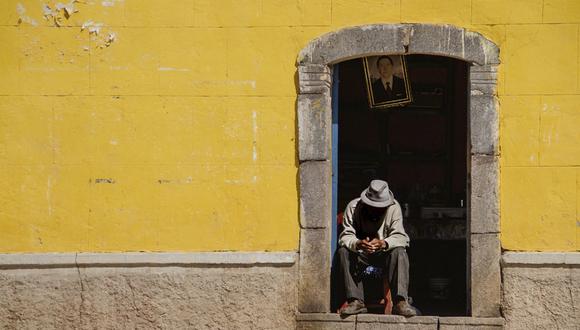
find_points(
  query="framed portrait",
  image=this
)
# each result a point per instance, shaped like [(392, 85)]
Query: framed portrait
[(386, 81)]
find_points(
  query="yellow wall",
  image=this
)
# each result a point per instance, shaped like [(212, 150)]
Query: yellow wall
[(173, 128)]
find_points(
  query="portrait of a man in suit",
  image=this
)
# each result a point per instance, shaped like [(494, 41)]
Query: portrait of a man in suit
[(385, 87)]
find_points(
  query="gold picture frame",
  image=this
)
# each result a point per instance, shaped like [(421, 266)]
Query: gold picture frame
[(387, 82)]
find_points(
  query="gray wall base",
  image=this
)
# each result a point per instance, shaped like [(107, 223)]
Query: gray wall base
[(197, 292), (541, 290)]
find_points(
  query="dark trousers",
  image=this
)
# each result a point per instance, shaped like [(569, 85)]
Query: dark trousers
[(395, 265)]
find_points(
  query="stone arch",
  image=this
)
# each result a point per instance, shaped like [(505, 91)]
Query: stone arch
[(315, 63)]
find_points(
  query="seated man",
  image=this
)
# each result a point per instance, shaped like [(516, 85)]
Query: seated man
[(374, 235)]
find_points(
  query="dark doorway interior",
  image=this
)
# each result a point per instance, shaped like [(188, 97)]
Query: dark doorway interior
[(421, 150)]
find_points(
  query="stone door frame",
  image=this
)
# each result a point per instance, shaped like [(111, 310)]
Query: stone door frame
[(314, 110)]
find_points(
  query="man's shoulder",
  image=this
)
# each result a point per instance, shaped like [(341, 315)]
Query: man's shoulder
[(395, 204), (353, 203), (351, 206), (394, 208)]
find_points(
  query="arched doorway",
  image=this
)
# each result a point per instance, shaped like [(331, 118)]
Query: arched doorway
[(314, 109)]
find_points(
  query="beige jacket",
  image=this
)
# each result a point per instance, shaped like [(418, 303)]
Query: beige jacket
[(391, 230)]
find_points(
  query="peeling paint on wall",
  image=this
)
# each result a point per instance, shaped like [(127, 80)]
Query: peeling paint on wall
[(110, 3), (93, 28), (111, 37), (22, 17), (101, 40), (105, 180), (187, 180), (59, 12)]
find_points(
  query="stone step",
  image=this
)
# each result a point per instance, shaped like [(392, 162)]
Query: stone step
[(323, 321)]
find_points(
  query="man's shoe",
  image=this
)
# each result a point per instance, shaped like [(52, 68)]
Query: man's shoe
[(403, 308), (354, 307)]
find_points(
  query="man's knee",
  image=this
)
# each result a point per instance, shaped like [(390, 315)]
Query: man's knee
[(345, 256), (343, 252), (398, 251)]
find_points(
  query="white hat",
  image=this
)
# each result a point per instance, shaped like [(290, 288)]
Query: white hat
[(377, 194)]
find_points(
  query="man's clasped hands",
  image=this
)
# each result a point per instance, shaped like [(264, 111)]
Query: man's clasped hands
[(369, 246)]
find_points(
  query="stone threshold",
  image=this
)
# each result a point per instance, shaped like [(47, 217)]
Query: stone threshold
[(324, 321), (146, 259)]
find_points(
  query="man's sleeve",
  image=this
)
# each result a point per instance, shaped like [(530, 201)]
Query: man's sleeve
[(348, 236), (396, 235)]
